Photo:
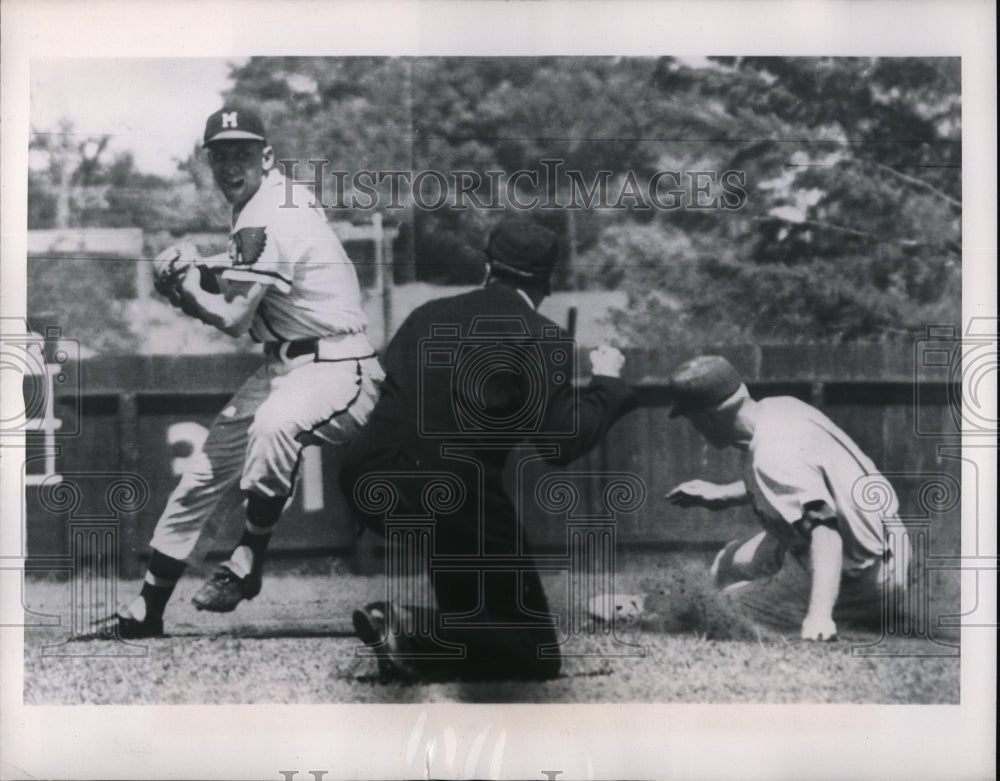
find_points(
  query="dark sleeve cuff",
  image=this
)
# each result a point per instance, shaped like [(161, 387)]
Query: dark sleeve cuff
[(621, 396)]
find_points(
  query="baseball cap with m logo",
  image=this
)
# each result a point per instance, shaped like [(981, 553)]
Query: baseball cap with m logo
[(232, 123)]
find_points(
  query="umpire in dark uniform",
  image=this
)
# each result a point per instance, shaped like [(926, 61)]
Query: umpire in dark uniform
[(470, 378)]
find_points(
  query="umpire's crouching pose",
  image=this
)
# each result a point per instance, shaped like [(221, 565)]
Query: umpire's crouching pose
[(501, 618)]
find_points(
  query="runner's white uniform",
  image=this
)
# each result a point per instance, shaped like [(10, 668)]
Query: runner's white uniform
[(320, 375), (798, 456)]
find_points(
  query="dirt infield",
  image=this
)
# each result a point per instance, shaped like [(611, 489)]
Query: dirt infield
[(293, 644)]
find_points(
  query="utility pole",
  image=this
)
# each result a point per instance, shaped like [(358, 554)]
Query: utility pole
[(383, 274)]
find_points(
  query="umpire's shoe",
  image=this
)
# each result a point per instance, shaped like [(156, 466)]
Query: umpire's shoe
[(371, 624), (124, 626), (225, 590)]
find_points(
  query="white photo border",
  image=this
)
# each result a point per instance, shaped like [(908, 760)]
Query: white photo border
[(595, 741)]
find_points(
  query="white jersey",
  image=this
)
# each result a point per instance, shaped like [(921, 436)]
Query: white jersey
[(798, 455), (279, 241)]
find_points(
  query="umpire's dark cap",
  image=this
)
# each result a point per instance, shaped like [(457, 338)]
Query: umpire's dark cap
[(234, 123), (702, 383), (523, 250)]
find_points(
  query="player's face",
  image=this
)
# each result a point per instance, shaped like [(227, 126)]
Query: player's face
[(238, 168)]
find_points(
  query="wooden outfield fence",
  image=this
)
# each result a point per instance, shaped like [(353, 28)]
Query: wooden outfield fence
[(132, 421)]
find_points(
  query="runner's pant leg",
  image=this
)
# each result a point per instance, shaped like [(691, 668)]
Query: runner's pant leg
[(753, 558), (782, 600), (779, 601)]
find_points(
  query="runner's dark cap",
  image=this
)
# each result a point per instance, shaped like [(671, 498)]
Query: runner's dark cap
[(701, 383)]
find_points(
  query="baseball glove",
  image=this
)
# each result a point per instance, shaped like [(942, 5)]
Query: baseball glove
[(171, 266)]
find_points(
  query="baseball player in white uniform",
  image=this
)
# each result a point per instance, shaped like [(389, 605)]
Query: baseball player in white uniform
[(824, 555), (288, 281)]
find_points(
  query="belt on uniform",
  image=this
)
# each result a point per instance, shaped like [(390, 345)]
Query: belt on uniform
[(292, 349), (346, 347)]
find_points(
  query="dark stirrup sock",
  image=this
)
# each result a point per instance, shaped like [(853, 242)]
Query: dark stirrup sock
[(262, 514), (161, 578)]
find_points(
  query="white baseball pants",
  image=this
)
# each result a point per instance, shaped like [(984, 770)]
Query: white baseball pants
[(256, 442), (772, 585)]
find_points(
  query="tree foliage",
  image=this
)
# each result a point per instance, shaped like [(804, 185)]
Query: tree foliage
[(851, 228), (77, 182), (851, 169)]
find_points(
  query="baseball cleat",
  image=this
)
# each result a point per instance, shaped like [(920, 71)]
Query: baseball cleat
[(225, 590), (123, 626), (370, 624)]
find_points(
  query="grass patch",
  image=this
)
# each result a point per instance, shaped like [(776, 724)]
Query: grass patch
[(246, 657)]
